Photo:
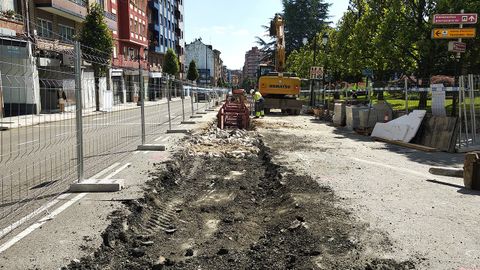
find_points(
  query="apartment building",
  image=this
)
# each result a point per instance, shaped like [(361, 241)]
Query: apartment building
[(253, 60), (19, 90), (166, 31), (131, 51), (203, 55)]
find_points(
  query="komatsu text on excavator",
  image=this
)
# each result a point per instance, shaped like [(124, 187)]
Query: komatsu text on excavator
[(280, 89)]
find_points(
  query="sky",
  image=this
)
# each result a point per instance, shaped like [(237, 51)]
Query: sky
[(231, 26)]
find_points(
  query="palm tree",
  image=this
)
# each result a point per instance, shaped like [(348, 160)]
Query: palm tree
[(267, 47)]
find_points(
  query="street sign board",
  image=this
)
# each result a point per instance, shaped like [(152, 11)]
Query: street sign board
[(316, 72), (445, 33), (367, 73), (467, 18), (457, 47)]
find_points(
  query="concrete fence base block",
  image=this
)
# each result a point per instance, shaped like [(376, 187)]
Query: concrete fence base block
[(201, 113), (98, 185), (189, 123), (152, 147), (173, 131), (3, 128), (196, 116)]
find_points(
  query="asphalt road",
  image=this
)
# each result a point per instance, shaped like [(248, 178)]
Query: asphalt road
[(39, 162)]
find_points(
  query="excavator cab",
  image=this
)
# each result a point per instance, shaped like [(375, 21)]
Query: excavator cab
[(264, 70)]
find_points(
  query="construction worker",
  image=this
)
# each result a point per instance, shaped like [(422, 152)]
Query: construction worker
[(257, 97)]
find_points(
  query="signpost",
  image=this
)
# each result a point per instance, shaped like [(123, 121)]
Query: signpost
[(367, 73), (444, 33), (457, 47), (457, 33), (462, 18), (316, 72)]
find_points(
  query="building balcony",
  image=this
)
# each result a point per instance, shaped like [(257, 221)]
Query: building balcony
[(111, 20), (53, 45), (13, 22), (125, 62), (154, 27), (154, 5), (154, 46), (75, 10)]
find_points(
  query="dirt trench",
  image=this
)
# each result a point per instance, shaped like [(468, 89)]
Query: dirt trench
[(218, 212)]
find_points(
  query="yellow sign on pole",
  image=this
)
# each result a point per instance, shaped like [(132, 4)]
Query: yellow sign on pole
[(445, 33)]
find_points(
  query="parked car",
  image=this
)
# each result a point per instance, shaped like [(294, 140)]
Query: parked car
[(204, 96)]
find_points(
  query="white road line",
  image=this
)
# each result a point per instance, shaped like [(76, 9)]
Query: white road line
[(56, 212), (164, 139), (27, 142), (42, 221), (158, 139), (118, 170), (105, 170), (395, 168), (146, 152), (136, 152), (62, 134), (16, 224)]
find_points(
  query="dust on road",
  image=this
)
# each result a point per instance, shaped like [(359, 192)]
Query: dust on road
[(208, 209)]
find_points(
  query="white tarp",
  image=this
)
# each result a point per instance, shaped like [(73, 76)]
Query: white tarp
[(401, 129)]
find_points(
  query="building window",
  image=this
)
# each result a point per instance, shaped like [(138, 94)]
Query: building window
[(114, 51), (8, 5), (44, 28), (101, 3), (131, 26), (66, 32)]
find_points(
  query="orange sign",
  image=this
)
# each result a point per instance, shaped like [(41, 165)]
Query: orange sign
[(443, 33)]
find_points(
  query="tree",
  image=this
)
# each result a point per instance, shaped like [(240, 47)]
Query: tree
[(170, 65), (97, 45), (221, 82), (267, 48), (192, 73), (303, 18)]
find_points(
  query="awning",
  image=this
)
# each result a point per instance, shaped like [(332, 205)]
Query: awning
[(117, 72), (155, 75)]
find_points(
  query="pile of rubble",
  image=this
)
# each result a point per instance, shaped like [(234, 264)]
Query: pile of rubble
[(215, 142)]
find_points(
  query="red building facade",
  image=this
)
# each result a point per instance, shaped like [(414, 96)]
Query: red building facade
[(132, 34)]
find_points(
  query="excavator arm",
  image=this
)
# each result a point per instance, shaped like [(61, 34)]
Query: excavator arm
[(277, 29)]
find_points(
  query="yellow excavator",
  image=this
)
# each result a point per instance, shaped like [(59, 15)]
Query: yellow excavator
[(279, 89)]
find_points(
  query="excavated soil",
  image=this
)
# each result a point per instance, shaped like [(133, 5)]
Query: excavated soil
[(205, 211)]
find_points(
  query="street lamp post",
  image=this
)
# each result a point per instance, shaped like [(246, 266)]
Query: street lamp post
[(324, 43), (312, 95)]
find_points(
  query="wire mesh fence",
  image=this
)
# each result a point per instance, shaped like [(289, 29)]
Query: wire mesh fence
[(438, 95), (37, 152), (67, 113)]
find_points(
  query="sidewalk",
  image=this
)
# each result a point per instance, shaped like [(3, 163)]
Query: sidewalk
[(32, 120)]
